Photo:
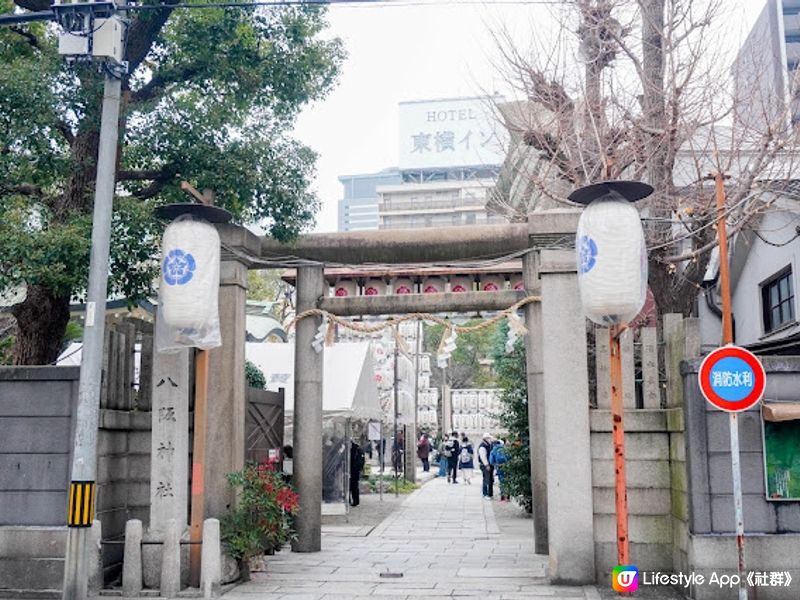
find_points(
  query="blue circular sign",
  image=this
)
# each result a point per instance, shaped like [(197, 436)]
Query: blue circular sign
[(587, 253), (732, 378), (178, 267)]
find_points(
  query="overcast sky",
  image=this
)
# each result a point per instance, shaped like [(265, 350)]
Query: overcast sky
[(413, 52)]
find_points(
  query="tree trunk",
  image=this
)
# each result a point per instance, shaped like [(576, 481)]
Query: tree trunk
[(41, 322)]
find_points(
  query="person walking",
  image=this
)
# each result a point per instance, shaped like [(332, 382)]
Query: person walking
[(441, 457), (487, 470), (466, 464), (356, 466), (451, 451), (424, 451), (497, 457)]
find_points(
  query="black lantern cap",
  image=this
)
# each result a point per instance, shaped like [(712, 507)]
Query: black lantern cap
[(631, 191), (212, 214)]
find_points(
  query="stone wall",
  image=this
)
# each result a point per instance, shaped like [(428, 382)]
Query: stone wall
[(37, 405), (772, 528), (651, 440)]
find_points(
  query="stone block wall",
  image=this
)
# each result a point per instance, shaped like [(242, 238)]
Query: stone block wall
[(650, 473), (37, 408), (772, 529)]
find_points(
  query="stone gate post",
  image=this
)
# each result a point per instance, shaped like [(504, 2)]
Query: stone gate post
[(566, 390), (308, 371)]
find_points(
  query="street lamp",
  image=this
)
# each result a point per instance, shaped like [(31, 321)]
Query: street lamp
[(612, 278)]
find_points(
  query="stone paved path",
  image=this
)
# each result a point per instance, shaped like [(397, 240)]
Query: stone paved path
[(444, 539)]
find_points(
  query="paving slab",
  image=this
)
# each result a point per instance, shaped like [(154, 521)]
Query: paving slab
[(444, 540)]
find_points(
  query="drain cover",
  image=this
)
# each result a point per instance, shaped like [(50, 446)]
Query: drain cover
[(390, 575)]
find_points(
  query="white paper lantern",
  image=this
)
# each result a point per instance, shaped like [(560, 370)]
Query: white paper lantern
[(612, 260), (189, 287), (492, 283), (374, 287), (402, 285), (460, 283), (345, 288), (433, 285)]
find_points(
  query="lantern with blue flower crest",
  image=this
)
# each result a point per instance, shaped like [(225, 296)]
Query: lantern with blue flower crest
[(188, 313), (611, 251)]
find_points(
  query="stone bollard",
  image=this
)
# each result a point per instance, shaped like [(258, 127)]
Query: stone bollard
[(95, 558), (211, 560), (171, 560), (132, 559)]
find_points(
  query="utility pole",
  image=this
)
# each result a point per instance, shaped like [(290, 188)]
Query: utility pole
[(727, 340), (82, 489), (396, 446)]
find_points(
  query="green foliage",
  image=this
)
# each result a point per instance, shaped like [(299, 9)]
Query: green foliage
[(212, 99), (512, 377), (254, 376), (403, 486), (464, 369), (261, 521)]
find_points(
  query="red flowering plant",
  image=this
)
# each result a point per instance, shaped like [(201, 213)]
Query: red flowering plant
[(261, 522)]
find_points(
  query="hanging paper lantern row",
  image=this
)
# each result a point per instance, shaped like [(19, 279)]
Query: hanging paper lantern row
[(517, 283), (612, 260)]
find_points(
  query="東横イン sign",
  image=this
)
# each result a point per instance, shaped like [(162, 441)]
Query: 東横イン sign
[(732, 378)]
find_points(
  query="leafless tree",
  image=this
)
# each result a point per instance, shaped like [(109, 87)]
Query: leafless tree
[(646, 89)]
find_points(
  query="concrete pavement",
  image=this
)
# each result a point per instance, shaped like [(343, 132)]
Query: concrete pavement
[(443, 541)]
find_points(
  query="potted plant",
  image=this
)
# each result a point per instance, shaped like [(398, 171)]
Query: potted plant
[(261, 523)]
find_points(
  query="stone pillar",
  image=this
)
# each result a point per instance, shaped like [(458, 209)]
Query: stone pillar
[(170, 583), (226, 392), (132, 559), (169, 445), (650, 384), (566, 391), (602, 367), (674, 350), (211, 560), (536, 404), (628, 369), (308, 371)]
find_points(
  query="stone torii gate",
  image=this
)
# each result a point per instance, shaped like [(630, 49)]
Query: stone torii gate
[(556, 361)]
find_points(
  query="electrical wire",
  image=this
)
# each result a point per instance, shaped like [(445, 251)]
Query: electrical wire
[(360, 3)]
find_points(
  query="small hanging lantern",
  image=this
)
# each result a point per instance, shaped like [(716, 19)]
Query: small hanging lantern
[(460, 283), (433, 285), (344, 288), (517, 283), (403, 285), (492, 283), (611, 251), (374, 287)]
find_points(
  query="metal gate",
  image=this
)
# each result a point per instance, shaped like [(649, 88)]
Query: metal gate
[(263, 424)]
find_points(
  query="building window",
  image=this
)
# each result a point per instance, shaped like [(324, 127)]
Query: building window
[(777, 300)]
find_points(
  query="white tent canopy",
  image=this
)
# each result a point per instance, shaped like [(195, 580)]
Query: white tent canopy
[(349, 389)]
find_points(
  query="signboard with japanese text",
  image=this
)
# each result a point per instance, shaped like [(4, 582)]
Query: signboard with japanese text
[(457, 132), (732, 378)]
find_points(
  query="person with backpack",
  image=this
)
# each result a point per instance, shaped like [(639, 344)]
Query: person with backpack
[(497, 457), (487, 470), (465, 460), (451, 450)]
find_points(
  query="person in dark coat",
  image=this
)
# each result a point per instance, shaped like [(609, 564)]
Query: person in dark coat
[(424, 452), (451, 450), (356, 466)]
